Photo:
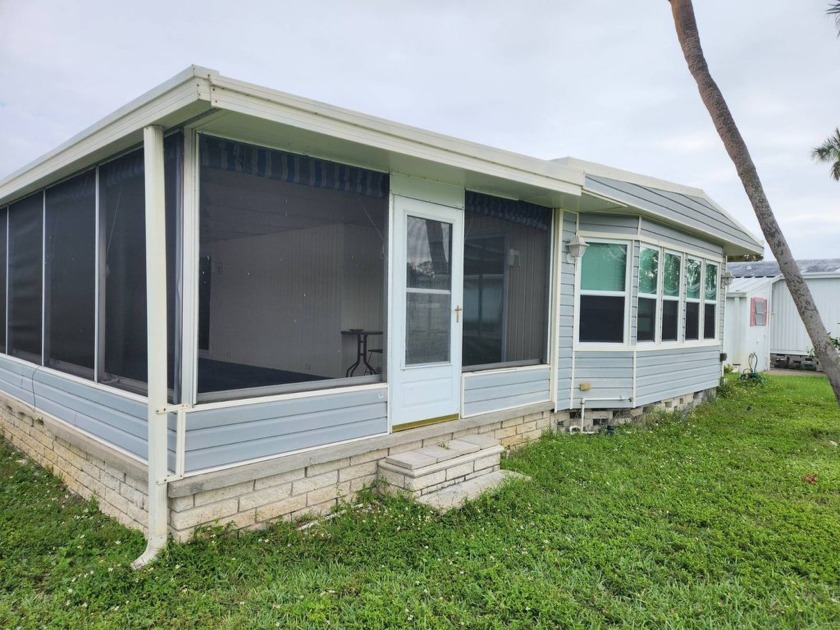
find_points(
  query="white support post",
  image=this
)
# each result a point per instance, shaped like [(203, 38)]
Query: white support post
[(156, 327)]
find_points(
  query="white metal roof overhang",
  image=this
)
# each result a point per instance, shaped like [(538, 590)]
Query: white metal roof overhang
[(201, 98)]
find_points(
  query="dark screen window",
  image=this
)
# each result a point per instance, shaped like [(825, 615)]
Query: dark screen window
[(646, 318), (26, 238), (602, 318), (709, 321), (122, 202), (692, 320), (292, 271), (70, 289), (670, 320), (4, 217), (507, 246)]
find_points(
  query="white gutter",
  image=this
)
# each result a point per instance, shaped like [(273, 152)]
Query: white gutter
[(156, 342)]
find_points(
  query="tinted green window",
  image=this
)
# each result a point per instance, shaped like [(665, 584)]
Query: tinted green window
[(648, 270), (671, 275), (692, 279), (604, 267), (711, 282)]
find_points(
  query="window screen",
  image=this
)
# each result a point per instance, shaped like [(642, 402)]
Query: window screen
[(296, 253), (507, 247), (26, 238), (122, 200), (70, 287), (4, 218)]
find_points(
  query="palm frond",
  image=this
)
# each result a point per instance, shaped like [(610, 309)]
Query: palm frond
[(834, 9)]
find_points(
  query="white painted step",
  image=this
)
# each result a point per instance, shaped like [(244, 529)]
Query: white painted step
[(455, 496)]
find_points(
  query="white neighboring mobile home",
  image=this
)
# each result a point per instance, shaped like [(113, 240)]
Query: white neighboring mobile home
[(761, 317), (228, 304)]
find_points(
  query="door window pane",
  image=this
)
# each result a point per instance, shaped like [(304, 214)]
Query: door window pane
[(604, 266), (26, 238), (428, 328), (429, 254), (71, 275)]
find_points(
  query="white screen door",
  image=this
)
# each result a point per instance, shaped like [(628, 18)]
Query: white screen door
[(426, 324)]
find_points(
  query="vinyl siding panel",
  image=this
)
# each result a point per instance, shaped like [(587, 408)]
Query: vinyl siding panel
[(566, 314), (109, 415), (693, 212), (679, 240), (787, 333), (223, 436), (609, 375), (609, 223), (662, 374), (496, 390)]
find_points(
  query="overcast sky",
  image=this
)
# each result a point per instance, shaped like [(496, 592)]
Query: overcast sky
[(598, 80)]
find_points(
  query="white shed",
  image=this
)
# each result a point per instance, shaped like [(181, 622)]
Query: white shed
[(762, 318)]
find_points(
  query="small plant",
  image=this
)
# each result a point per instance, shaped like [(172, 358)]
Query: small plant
[(728, 369)]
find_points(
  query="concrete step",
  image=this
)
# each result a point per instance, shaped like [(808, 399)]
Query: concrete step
[(432, 468), (455, 496)]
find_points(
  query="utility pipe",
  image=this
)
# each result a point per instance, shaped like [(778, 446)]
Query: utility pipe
[(156, 414)]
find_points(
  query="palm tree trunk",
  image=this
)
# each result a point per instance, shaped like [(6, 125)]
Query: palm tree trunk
[(689, 39)]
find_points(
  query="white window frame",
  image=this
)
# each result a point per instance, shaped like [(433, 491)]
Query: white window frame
[(687, 300), (670, 298), (706, 264), (656, 296), (626, 294)]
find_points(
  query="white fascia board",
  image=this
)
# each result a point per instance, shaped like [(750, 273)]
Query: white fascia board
[(231, 95), (116, 132)]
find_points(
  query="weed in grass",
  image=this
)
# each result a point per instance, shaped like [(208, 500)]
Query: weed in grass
[(691, 520)]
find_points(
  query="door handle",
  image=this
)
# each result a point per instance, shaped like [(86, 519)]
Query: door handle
[(458, 310)]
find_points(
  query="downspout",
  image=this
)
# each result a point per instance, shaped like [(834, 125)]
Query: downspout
[(156, 415)]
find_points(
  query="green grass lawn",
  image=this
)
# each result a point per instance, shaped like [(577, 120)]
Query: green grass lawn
[(704, 521)]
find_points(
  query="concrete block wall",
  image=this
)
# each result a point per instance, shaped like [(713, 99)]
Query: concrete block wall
[(91, 470), (313, 484)]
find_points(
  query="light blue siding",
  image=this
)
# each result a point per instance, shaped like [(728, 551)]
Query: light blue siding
[(664, 374), (608, 374), (679, 240), (217, 437), (493, 391), (567, 315), (109, 415), (609, 223), (695, 213)]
